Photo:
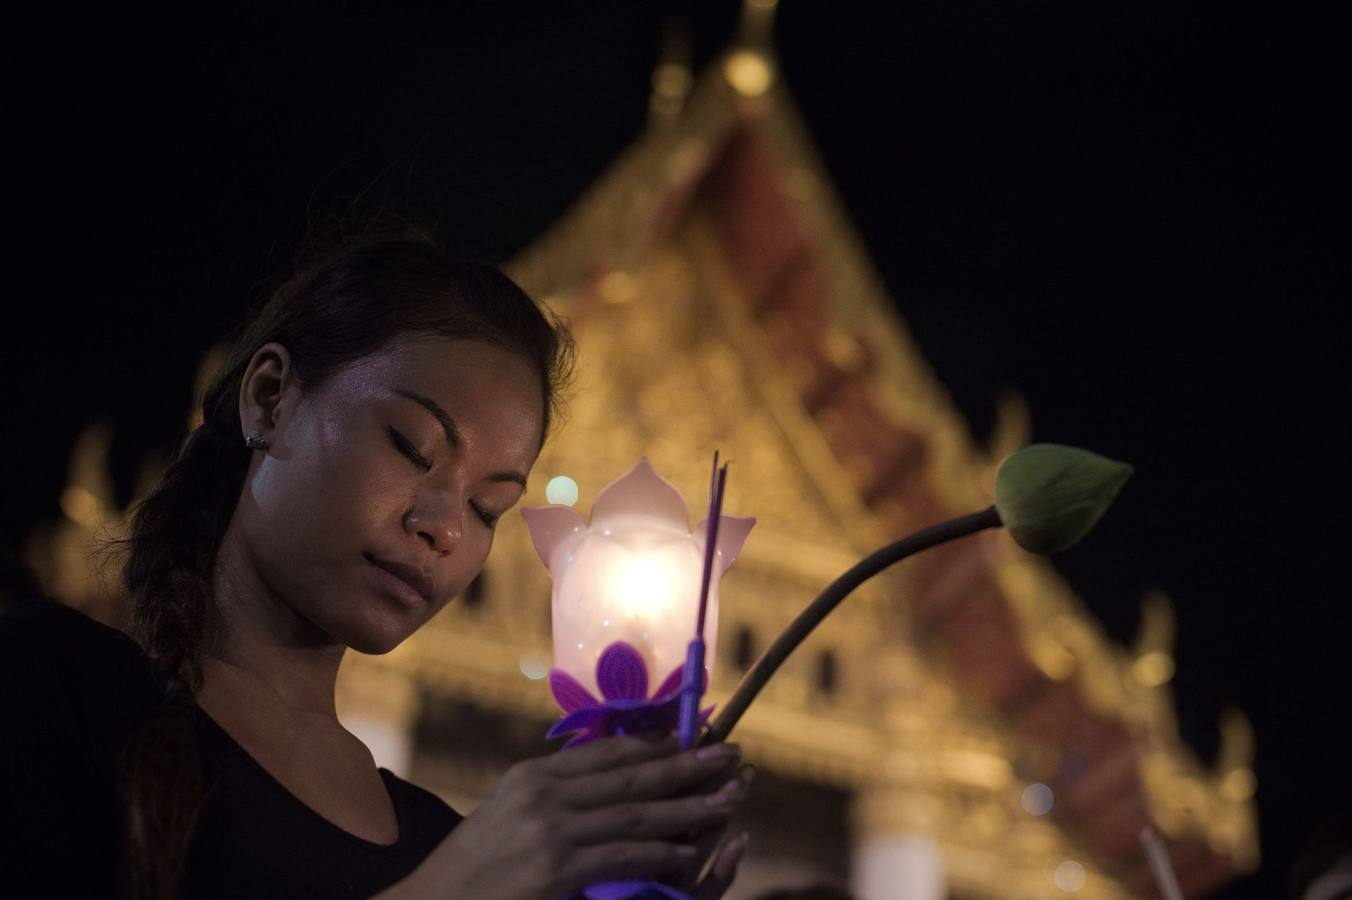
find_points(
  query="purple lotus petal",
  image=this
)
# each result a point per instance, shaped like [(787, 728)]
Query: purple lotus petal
[(600, 728), (652, 716), (575, 721), (621, 673), (623, 706), (582, 737), (672, 683), (620, 717), (623, 677), (586, 737), (569, 692), (613, 890), (631, 890)]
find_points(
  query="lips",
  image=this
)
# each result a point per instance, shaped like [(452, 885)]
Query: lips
[(411, 576)]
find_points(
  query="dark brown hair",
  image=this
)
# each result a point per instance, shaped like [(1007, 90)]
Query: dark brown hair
[(347, 300)]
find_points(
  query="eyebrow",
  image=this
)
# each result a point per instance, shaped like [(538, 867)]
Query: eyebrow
[(453, 431)]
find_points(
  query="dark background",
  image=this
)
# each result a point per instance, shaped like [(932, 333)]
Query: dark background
[(1134, 214)]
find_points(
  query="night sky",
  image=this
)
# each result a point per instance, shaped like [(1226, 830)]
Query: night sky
[(1134, 216)]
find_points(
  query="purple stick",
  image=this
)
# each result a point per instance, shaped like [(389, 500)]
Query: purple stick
[(692, 680), (711, 540)]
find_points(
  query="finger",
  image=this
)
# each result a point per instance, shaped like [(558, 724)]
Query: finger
[(656, 819), (724, 869), (651, 780), (623, 859), (725, 866), (710, 840), (609, 753)]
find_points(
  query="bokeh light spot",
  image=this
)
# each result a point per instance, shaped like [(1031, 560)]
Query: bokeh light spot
[(534, 666), (1154, 669), (748, 73), (1069, 876), (1037, 799), (561, 490)]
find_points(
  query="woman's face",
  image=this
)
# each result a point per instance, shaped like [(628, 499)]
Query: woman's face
[(376, 499)]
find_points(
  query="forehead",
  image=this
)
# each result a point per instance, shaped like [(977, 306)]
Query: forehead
[(493, 394)]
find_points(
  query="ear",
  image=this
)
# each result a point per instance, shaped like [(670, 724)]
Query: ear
[(260, 393)]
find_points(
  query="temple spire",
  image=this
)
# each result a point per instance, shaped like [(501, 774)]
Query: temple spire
[(750, 66), (672, 78), (756, 31)]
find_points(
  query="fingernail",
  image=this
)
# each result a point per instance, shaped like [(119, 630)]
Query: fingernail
[(718, 751), (685, 851), (733, 856), (748, 775)]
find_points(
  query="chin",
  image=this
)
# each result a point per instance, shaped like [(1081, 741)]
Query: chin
[(374, 646), (377, 640), (375, 632)]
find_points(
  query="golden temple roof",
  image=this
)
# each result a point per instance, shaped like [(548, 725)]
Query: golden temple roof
[(721, 298)]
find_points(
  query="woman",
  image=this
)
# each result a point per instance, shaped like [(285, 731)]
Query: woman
[(377, 418)]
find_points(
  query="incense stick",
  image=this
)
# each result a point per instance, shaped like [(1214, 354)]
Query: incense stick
[(692, 678), (1158, 856), (719, 479)]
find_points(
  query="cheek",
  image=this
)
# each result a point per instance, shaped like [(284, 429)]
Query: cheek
[(318, 509), (467, 563), (312, 498)]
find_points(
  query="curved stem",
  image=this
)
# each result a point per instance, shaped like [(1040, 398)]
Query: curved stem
[(829, 599)]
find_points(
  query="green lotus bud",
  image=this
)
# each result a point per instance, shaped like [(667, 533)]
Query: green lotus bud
[(1050, 496)]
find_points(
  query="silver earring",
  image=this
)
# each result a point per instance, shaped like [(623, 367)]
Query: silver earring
[(255, 441)]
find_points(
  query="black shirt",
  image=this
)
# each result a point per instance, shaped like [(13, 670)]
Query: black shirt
[(70, 691)]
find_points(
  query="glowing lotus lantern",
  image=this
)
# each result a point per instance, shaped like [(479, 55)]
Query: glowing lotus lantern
[(625, 598), (628, 586)]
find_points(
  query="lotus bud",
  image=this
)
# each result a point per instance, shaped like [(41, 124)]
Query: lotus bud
[(1049, 496)]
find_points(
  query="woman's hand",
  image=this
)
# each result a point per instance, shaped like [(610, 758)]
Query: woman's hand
[(724, 869), (614, 808)]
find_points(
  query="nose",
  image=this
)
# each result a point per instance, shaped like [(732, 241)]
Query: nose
[(438, 520)]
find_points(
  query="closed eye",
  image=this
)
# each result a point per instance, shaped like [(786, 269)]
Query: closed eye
[(487, 518), (405, 446)]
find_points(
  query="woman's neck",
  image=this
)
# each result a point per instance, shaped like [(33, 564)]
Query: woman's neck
[(265, 660)]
